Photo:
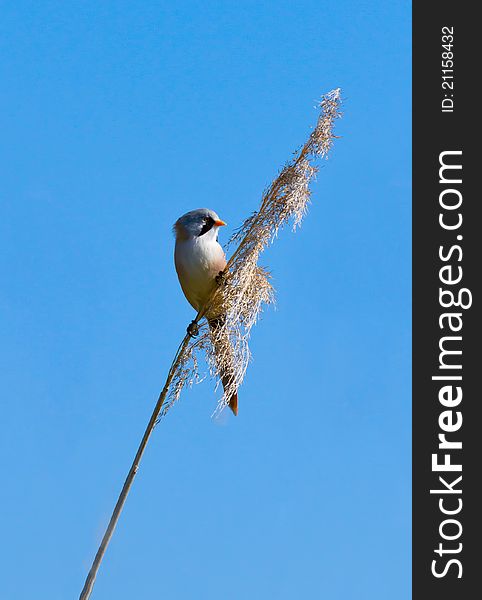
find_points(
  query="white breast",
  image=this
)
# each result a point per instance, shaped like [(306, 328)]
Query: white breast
[(198, 260)]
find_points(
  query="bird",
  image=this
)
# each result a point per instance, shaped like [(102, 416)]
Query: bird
[(199, 259)]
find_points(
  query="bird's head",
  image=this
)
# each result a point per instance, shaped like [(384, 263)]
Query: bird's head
[(197, 223)]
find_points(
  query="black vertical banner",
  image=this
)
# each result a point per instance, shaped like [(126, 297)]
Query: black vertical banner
[(447, 252)]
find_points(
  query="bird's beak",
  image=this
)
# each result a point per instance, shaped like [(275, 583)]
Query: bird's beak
[(220, 223)]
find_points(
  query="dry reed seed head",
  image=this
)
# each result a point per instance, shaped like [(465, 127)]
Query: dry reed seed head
[(246, 287)]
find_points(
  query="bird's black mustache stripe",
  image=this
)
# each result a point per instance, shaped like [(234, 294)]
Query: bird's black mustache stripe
[(208, 223)]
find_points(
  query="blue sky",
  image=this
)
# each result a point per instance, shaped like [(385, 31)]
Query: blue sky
[(116, 118)]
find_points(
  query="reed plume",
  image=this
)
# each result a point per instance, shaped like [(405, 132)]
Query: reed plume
[(245, 287)]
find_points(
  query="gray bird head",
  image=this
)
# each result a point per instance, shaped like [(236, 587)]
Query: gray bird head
[(197, 223)]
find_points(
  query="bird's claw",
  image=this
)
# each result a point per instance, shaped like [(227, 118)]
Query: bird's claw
[(221, 278), (193, 329)]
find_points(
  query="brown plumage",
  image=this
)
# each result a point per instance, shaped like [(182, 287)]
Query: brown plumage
[(223, 353)]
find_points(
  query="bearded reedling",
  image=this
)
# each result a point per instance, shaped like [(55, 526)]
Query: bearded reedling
[(199, 259)]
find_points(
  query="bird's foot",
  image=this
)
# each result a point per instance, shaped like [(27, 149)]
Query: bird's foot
[(193, 329), (221, 278)]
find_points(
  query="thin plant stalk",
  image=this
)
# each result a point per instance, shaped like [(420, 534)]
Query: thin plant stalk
[(90, 580)]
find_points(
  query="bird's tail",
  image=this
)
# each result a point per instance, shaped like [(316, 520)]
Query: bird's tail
[(223, 352)]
